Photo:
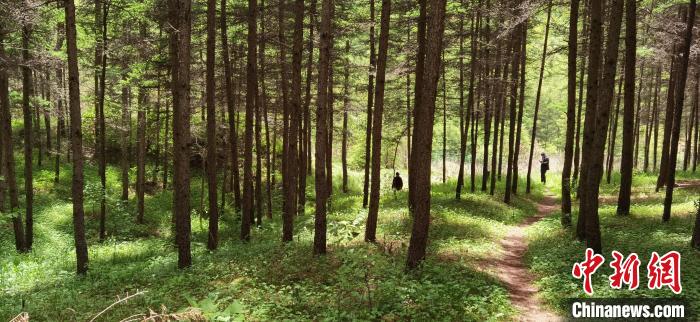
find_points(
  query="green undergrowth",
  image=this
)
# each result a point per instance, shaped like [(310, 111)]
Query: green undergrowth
[(554, 250), (262, 279)]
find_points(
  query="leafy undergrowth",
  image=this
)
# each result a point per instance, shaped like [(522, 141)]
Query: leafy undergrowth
[(553, 250), (262, 279)]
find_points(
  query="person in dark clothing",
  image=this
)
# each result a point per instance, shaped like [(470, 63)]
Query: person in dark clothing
[(544, 167), (397, 184)]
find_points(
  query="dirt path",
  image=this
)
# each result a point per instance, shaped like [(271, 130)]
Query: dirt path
[(511, 269)]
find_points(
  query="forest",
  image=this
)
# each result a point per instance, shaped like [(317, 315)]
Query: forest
[(231, 160)]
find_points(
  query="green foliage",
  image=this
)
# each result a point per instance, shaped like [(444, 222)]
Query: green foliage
[(641, 232)]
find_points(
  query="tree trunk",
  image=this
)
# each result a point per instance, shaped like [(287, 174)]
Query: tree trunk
[(521, 107), (652, 119), (346, 106), (594, 66), (626, 165), (499, 88), (8, 162), (77, 186), (27, 92), (180, 20), (125, 138), (212, 151), (322, 126), (141, 154), (516, 38), (418, 92), (423, 136), (370, 103), (691, 123), (259, 103), (668, 121), (537, 97), (595, 151), (613, 133), (570, 115), (678, 113), (463, 117), (230, 106), (251, 95), (371, 227), (305, 160)]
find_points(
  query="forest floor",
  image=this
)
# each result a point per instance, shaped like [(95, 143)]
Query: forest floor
[(513, 272), (266, 280), (641, 232)]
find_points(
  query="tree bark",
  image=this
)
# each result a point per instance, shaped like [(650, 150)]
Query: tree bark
[(8, 162), (27, 92), (515, 70), (570, 115), (418, 92), (371, 227), (251, 95), (370, 103), (463, 115), (593, 83), (180, 20), (678, 113), (626, 165), (322, 126), (211, 169), (538, 96), (77, 185), (230, 106), (423, 136), (346, 106), (595, 151)]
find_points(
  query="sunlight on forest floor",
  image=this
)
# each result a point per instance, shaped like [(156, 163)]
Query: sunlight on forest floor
[(641, 232), (271, 281)]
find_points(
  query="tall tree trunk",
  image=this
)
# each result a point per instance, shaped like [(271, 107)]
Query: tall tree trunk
[(516, 38), (668, 120), (487, 108), (595, 151), (499, 88), (538, 96), (371, 227), (8, 162), (570, 115), (77, 186), (100, 123), (27, 92), (678, 113), (212, 151), (463, 117), (124, 140), (265, 113), (521, 107), (626, 165), (346, 106), (613, 133), (322, 126), (653, 111), (141, 154), (418, 93), (691, 123), (251, 95), (423, 136), (259, 103), (305, 160), (593, 83), (638, 115), (181, 21), (370, 103), (656, 121), (295, 111), (230, 106)]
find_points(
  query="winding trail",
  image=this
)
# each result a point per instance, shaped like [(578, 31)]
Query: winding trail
[(512, 271)]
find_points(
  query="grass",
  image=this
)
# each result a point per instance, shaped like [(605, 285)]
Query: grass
[(553, 250), (262, 279)]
